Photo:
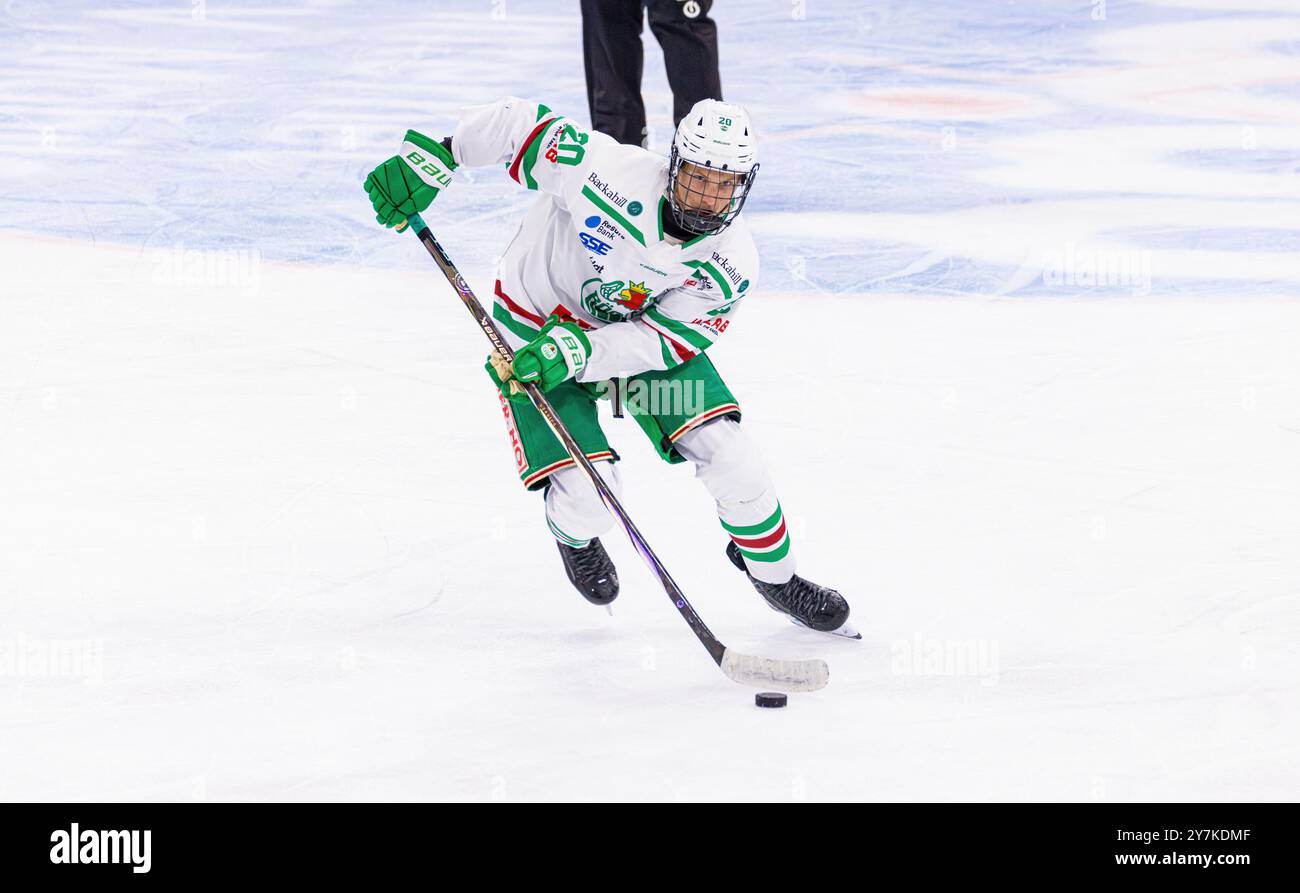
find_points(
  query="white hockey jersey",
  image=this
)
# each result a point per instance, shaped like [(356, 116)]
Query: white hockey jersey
[(593, 250)]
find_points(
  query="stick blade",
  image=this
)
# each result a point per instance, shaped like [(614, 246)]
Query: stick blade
[(778, 675)]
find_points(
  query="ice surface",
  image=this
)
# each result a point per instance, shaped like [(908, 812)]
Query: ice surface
[(255, 490)]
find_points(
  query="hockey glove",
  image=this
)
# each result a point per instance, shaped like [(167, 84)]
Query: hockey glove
[(504, 377), (405, 184), (558, 353)]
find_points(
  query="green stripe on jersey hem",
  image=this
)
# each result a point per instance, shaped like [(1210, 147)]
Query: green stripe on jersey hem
[(502, 315), (669, 360)]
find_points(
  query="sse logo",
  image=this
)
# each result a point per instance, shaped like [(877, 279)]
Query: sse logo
[(593, 244)]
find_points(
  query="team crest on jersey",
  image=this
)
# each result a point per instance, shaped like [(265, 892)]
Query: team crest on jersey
[(615, 301), (633, 297)]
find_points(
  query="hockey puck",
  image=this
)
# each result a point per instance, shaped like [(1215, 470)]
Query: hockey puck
[(769, 699)]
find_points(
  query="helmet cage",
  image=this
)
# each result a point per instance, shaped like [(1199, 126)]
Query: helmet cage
[(697, 220)]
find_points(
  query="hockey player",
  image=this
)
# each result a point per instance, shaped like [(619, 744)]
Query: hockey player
[(627, 268)]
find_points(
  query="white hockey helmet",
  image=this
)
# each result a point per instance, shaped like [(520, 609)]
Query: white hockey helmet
[(713, 163)]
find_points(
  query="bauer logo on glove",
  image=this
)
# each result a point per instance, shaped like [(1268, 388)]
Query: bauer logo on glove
[(425, 166), (406, 184)]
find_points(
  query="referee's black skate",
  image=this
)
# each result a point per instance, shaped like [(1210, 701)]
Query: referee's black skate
[(591, 572), (804, 602)]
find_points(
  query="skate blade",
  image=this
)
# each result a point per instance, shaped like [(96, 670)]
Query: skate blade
[(844, 632)]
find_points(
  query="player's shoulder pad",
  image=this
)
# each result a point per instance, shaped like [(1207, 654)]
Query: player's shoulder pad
[(542, 115), (618, 161)]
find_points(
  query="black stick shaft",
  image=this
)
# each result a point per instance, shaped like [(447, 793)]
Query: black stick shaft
[(485, 322)]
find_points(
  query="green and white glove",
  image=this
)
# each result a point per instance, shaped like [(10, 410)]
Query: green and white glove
[(405, 184), (558, 353)]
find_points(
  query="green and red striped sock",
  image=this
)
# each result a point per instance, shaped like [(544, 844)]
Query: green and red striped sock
[(765, 546)]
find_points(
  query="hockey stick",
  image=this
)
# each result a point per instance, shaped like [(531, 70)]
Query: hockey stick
[(763, 672)]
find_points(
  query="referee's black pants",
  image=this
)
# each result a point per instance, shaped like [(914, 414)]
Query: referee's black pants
[(613, 58)]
